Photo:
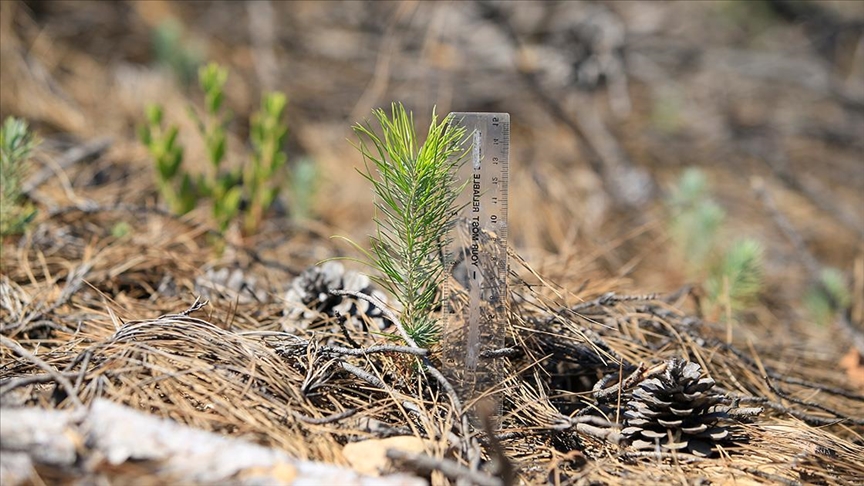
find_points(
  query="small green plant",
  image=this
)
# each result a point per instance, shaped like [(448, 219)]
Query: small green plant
[(738, 276), (827, 296), (16, 144), (222, 187), (175, 186), (732, 275), (257, 184), (267, 134), (416, 191), (696, 219)]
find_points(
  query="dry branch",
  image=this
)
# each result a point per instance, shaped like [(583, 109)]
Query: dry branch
[(110, 435)]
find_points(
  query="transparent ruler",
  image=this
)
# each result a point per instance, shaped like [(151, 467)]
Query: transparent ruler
[(476, 303)]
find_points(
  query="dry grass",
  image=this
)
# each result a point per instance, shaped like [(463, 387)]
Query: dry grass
[(231, 368), (86, 304)]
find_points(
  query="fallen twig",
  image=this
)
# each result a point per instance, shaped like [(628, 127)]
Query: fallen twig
[(384, 310), (340, 320), (501, 353), (452, 469), (785, 396), (58, 377), (602, 394), (365, 376), (380, 349), (10, 384), (74, 281), (777, 407), (325, 420), (776, 478), (71, 157), (674, 456), (611, 298), (196, 306)]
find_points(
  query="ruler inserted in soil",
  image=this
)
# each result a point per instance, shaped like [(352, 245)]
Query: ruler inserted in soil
[(476, 301)]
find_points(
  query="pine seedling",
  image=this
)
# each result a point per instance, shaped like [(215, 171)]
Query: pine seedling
[(827, 296), (416, 190), (16, 145), (261, 178), (696, 219), (737, 278), (167, 153)]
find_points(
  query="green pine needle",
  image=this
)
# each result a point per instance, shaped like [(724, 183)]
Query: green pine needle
[(738, 277), (416, 193)]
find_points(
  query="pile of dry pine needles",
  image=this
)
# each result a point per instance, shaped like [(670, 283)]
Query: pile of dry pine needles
[(80, 323)]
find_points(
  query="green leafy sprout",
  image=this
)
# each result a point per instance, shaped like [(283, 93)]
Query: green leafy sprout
[(257, 184), (416, 189), (16, 145)]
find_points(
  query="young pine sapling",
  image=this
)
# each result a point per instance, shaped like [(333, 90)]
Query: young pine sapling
[(416, 190)]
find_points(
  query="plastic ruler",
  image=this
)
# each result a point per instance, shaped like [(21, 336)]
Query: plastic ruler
[(475, 297)]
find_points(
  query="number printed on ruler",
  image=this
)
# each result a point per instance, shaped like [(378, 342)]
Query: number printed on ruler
[(475, 292)]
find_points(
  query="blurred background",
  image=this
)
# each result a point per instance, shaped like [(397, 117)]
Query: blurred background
[(654, 144)]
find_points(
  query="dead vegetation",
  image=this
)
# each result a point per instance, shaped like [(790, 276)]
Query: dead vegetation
[(90, 313)]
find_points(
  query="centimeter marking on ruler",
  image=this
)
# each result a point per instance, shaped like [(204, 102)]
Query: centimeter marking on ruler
[(475, 292)]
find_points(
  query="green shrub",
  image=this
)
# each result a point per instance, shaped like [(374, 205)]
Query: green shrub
[(16, 145), (224, 188)]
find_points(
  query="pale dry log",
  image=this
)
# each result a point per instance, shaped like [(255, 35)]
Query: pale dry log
[(108, 434)]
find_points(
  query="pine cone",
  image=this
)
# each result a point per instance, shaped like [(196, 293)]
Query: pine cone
[(677, 411), (309, 297), (230, 284)]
